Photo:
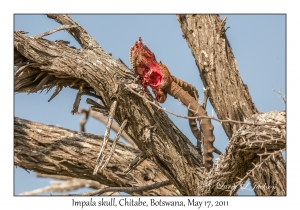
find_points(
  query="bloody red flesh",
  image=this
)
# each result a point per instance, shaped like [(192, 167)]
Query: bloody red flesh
[(150, 71)]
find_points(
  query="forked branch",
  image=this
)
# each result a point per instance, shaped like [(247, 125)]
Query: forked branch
[(105, 76)]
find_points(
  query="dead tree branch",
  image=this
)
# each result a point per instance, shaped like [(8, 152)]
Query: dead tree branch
[(115, 127), (229, 96), (67, 185), (100, 73), (74, 154), (54, 30), (53, 150), (78, 183), (280, 94), (203, 116), (122, 189), (244, 152)]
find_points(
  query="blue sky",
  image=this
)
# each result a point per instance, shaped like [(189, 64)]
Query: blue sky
[(258, 43)]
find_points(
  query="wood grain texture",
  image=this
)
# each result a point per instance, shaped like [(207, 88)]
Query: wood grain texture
[(100, 73), (229, 96), (44, 65), (57, 151)]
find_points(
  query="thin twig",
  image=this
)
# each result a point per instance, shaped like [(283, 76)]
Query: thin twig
[(114, 144), (202, 116), (94, 103), (114, 126), (106, 135), (43, 82), (97, 107), (77, 100), (88, 93), (55, 30), (21, 68), (122, 189), (279, 93), (84, 119), (65, 186), (217, 151), (39, 76), (80, 93), (56, 92), (104, 111)]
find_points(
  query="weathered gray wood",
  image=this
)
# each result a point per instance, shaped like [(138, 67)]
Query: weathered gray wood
[(46, 65), (229, 96), (97, 71), (57, 151)]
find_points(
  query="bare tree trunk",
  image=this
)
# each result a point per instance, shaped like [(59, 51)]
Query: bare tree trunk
[(43, 64), (229, 96)]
